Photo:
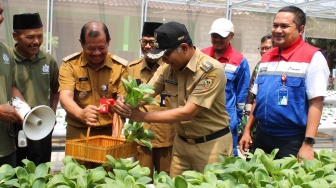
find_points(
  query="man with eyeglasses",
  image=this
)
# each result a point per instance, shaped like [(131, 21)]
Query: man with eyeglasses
[(87, 80), (159, 158), (195, 83), (236, 69)]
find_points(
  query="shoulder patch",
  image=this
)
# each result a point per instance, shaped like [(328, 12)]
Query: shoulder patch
[(206, 66), (67, 58), (137, 61), (120, 60)]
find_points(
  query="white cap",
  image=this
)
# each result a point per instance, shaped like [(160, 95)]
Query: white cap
[(222, 27)]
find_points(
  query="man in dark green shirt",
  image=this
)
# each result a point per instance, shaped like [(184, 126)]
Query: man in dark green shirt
[(36, 78), (8, 114)]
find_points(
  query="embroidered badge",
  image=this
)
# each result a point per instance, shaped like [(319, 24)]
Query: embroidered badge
[(5, 58), (208, 83), (82, 94), (209, 80), (45, 69)]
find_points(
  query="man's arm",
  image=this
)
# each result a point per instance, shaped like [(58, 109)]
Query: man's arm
[(17, 93), (242, 85), (246, 139), (186, 113), (88, 115), (314, 117), (8, 113), (54, 98)]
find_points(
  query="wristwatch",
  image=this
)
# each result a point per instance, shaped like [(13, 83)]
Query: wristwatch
[(309, 140)]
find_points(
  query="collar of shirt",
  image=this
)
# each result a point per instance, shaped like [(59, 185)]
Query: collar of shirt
[(226, 55), (192, 64), (145, 63), (286, 54)]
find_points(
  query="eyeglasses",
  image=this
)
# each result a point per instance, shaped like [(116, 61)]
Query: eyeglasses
[(144, 42), (167, 53), (265, 48)]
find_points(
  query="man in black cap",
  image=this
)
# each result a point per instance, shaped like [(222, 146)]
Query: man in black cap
[(143, 69), (36, 78), (8, 114), (195, 83)]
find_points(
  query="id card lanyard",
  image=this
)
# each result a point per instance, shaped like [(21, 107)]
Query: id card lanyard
[(283, 92)]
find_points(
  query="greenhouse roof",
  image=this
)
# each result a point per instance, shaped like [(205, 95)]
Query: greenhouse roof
[(313, 8)]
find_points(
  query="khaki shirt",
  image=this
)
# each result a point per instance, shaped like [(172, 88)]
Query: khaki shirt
[(202, 86), (77, 75), (164, 133)]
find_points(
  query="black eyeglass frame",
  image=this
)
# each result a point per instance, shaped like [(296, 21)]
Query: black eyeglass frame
[(144, 42)]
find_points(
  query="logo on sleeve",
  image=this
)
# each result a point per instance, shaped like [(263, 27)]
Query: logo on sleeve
[(209, 80), (45, 69), (5, 58)]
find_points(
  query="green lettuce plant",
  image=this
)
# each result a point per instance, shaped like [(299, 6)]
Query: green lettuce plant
[(134, 131)]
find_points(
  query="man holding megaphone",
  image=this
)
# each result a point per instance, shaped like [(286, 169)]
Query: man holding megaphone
[(37, 79), (8, 114)]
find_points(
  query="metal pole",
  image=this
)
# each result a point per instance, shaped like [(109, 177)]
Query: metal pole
[(51, 26), (143, 19), (47, 28), (228, 9)]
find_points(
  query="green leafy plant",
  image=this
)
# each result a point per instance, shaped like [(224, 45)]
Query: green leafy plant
[(134, 131), (135, 93), (262, 170), (126, 173)]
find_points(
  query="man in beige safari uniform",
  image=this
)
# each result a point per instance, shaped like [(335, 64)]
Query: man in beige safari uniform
[(196, 85), (143, 69)]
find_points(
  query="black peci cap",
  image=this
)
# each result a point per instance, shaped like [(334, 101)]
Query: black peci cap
[(27, 21), (168, 35), (149, 28)]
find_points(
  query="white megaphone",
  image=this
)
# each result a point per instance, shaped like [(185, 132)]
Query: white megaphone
[(37, 122)]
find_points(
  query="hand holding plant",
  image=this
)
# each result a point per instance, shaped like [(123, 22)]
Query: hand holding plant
[(134, 131)]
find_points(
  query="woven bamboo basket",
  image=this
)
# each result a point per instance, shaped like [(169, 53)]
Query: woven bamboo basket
[(95, 148)]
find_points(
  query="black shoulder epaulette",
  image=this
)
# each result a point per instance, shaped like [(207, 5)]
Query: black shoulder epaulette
[(206, 66), (67, 58), (120, 60)]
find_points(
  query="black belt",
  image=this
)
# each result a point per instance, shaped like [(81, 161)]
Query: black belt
[(207, 137)]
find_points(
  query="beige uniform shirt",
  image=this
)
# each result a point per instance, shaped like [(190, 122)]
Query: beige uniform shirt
[(164, 133), (78, 76), (201, 82)]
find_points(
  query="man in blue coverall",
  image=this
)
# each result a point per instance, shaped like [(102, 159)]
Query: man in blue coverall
[(236, 69)]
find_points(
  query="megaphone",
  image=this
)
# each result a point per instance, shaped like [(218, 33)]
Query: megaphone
[(37, 122)]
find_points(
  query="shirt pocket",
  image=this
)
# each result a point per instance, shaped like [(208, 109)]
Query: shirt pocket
[(230, 79), (172, 93), (83, 93), (112, 90), (296, 91)]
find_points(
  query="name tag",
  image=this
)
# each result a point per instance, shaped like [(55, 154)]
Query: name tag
[(83, 79), (171, 82)]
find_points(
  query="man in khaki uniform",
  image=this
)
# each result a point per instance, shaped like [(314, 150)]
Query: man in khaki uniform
[(143, 69), (87, 78), (196, 85)]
